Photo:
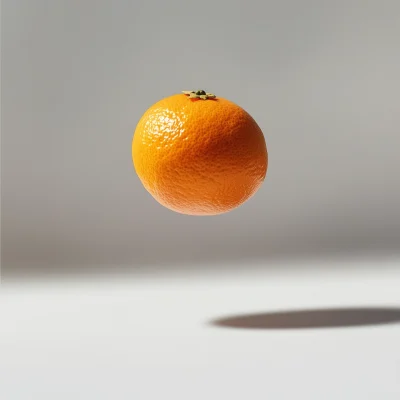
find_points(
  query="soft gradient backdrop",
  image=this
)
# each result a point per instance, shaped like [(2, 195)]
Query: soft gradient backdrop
[(320, 77)]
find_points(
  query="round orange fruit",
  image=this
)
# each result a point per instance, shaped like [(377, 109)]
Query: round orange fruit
[(199, 154)]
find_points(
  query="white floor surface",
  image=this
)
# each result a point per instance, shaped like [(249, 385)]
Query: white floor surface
[(152, 337)]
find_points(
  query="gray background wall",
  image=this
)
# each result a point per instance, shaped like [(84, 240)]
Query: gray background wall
[(320, 77)]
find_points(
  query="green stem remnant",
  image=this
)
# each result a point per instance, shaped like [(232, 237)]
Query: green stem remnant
[(199, 94)]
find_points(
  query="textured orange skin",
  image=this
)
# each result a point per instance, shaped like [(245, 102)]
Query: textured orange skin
[(199, 157)]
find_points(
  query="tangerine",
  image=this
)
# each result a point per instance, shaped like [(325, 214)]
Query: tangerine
[(199, 154)]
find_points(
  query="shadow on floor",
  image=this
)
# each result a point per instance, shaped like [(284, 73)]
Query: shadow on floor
[(312, 319)]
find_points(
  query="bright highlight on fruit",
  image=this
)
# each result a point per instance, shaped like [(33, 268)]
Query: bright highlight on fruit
[(199, 154)]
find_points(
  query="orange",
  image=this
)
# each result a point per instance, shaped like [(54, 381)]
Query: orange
[(199, 154)]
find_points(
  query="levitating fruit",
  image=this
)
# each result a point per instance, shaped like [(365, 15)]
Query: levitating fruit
[(199, 154)]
